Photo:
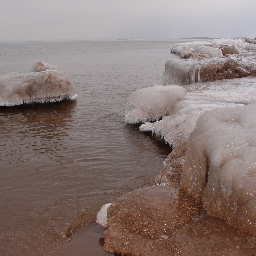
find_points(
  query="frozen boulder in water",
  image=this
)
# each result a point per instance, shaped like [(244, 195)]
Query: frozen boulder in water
[(220, 167), (45, 84), (149, 104)]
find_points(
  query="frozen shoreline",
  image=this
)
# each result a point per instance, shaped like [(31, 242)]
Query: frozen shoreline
[(198, 173)]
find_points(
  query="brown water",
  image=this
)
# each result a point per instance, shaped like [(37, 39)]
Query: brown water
[(59, 163)]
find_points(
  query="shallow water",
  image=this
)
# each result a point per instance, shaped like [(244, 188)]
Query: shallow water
[(61, 162)]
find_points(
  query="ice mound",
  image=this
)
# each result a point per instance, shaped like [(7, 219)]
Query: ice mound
[(203, 61), (46, 83), (149, 104), (176, 127), (220, 167)]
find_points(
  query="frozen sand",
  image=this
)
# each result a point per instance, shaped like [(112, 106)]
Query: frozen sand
[(151, 221)]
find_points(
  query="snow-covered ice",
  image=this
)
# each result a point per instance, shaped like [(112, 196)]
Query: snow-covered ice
[(46, 83)]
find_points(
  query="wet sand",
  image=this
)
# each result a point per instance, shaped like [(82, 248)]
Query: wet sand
[(86, 243)]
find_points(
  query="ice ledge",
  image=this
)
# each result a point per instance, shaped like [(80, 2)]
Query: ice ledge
[(203, 61)]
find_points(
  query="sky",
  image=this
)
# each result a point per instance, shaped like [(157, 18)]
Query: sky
[(51, 20)]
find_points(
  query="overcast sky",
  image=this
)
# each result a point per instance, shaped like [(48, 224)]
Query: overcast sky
[(24, 20)]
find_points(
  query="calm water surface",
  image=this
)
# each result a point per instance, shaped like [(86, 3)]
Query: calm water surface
[(59, 163)]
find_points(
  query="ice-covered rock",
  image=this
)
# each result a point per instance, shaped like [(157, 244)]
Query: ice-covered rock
[(190, 45), (181, 71), (46, 83), (203, 61), (220, 168), (209, 51), (250, 41), (149, 104), (212, 129), (185, 53), (228, 50)]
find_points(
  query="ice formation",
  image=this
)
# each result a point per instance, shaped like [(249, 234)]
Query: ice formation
[(149, 104), (216, 114), (203, 61), (212, 127), (176, 127), (46, 83), (220, 167), (102, 216)]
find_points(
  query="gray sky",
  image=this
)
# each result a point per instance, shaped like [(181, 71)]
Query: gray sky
[(23, 20)]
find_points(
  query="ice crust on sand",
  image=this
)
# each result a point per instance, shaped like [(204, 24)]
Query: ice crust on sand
[(202, 61), (46, 83), (143, 216), (161, 220), (149, 104)]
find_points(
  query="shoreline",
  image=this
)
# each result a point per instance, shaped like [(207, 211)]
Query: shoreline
[(90, 237), (87, 242), (197, 200), (169, 217)]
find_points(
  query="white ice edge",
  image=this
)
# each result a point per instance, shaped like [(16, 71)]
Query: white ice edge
[(102, 216)]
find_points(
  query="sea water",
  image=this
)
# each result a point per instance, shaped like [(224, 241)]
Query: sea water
[(60, 162)]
